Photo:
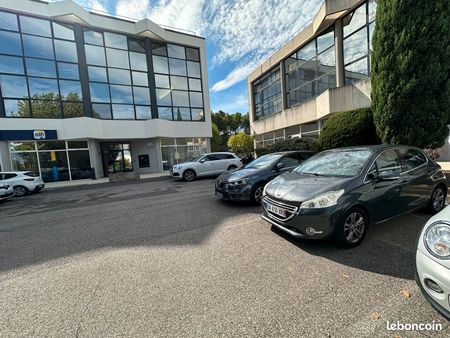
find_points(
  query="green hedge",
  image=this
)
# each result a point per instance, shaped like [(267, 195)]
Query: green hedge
[(350, 128), (287, 145)]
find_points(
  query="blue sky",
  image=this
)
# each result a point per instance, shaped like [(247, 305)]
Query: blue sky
[(239, 34)]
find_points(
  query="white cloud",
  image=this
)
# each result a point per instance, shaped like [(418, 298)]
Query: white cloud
[(136, 9), (235, 76), (96, 5), (232, 104)]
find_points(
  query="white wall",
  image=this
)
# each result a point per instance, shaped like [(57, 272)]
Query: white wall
[(146, 147), (5, 160)]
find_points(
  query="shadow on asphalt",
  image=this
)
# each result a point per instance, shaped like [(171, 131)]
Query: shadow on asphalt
[(388, 249)]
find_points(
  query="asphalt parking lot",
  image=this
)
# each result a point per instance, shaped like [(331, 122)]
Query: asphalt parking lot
[(166, 258)]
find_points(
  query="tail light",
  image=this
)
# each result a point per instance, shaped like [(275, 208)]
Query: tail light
[(29, 179)]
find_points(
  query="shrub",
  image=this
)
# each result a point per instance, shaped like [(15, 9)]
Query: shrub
[(350, 128), (241, 144), (287, 145)]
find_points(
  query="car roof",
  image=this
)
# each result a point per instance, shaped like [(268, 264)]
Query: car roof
[(290, 152), (375, 148)]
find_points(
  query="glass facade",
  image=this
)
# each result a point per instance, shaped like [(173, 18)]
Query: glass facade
[(178, 83), (39, 72), (179, 150), (41, 76), (311, 70), (358, 31), (267, 94), (54, 161)]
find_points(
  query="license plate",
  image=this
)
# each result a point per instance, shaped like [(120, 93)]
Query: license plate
[(219, 194), (275, 210)]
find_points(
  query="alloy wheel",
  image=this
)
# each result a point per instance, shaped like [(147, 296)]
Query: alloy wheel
[(189, 176), (19, 191), (438, 200), (257, 195), (354, 227)]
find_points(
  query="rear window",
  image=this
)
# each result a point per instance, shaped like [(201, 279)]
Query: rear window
[(229, 156), (411, 158), (31, 174)]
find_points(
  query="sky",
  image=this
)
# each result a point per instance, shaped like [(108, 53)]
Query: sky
[(240, 34)]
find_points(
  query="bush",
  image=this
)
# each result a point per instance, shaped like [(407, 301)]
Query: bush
[(287, 145), (241, 144), (350, 128)]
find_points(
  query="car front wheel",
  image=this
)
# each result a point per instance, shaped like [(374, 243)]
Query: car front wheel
[(257, 193), (20, 191), (437, 201), (352, 228), (231, 168), (189, 175)]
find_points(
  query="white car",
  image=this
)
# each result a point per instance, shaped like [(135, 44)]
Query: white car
[(22, 182), (433, 262), (206, 165), (6, 191)]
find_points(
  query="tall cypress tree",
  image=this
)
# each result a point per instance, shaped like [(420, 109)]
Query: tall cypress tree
[(411, 72)]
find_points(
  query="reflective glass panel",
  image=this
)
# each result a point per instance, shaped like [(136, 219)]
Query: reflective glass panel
[(80, 164), (165, 113), (140, 79), (160, 65), (117, 58), (97, 74), (143, 113), (11, 64), (196, 99), (115, 40), (95, 55), (63, 31), (123, 112), (13, 86), (38, 47), (99, 92), (162, 81), (357, 20), (72, 109), (93, 37), (101, 111), (372, 9), (54, 171), (17, 108), (141, 95), (195, 84), (43, 88), (182, 114), (35, 26), (192, 54), (25, 162), (46, 109), (327, 61), (42, 68), (197, 114), (324, 41), (66, 51), (355, 46), (177, 67), (307, 52), (178, 82), (77, 144), (356, 71), (10, 43), (138, 61), (193, 69), (163, 97), (136, 45), (68, 71), (119, 76), (159, 49), (121, 94), (70, 90), (180, 98), (176, 51), (8, 21)]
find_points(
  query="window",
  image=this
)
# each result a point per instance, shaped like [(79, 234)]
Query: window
[(290, 161), (388, 161), (11, 64), (411, 158), (10, 43), (267, 94), (8, 21)]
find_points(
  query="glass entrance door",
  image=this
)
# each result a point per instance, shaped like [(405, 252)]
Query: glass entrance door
[(116, 158)]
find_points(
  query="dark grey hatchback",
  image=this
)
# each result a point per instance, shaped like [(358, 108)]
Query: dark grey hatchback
[(338, 193), (247, 183)]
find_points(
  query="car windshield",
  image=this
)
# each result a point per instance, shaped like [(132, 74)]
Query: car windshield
[(264, 161), (194, 159), (346, 163)]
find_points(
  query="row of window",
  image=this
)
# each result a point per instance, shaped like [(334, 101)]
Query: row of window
[(40, 75), (312, 69)]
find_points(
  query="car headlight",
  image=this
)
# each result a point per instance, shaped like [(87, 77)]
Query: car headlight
[(242, 181), (323, 201), (437, 239)]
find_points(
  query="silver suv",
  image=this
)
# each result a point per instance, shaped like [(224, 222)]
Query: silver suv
[(23, 182)]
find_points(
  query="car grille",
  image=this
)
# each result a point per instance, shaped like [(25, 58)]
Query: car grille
[(290, 210)]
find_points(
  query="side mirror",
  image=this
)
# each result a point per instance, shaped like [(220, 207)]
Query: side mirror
[(202, 160), (279, 166), (388, 175)]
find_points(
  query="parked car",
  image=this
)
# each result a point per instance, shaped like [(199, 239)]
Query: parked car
[(247, 183), (23, 182), (433, 262), (6, 192), (337, 193), (206, 165)]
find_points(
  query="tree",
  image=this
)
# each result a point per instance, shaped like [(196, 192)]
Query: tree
[(410, 72), (48, 105), (241, 144), (350, 128), (179, 117), (288, 145), (215, 141), (229, 124)]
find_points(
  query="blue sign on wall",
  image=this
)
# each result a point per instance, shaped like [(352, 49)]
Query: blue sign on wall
[(26, 135)]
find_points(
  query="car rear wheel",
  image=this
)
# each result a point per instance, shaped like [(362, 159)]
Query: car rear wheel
[(352, 228), (437, 201), (231, 168), (257, 193), (189, 175), (20, 191)]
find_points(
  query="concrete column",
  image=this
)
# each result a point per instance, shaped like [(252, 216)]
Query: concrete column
[(95, 155), (283, 85), (5, 160), (339, 48)]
